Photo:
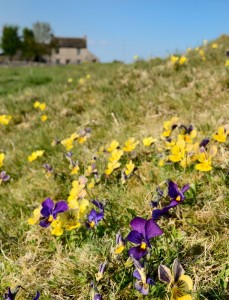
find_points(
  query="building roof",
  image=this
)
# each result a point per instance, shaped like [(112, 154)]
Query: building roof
[(71, 42)]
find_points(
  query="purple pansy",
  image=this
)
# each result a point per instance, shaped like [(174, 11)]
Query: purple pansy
[(143, 231), (93, 218), (98, 204), (10, 295), (204, 142), (50, 211), (4, 177), (143, 281), (37, 296), (177, 197)]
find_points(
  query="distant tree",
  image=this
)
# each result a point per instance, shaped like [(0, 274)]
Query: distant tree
[(29, 45), (42, 32), (10, 41)]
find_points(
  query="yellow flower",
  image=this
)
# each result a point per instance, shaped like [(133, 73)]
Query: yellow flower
[(180, 285), (88, 76), (67, 143), (2, 157), (169, 126), (182, 60), (70, 80), (5, 119), (130, 145), (201, 52), (113, 145), (82, 139), (36, 104), (44, 118), (111, 167), (35, 155), (42, 106), (74, 170), (91, 184), (136, 57), (215, 45), (227, 63), (148, 141), (57, 228), (221, 134), (205, 159), (129, 168), (81, 81), (178, 151), (174, 59), (36, 216), (116, 154)]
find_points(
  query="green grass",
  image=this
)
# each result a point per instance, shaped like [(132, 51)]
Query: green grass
[(119, 101)]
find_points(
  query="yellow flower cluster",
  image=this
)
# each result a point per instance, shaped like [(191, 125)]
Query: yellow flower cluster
[(81, 138), (35, 155), (5, 119), (41, 107), (178, 60)]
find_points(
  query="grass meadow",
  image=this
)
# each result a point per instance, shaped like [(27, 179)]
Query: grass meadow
[(117, 102)]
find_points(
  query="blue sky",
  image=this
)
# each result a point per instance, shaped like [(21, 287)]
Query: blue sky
[(119, 29)]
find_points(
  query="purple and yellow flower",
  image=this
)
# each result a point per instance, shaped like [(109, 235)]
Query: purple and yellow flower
[(50, 211), (101, 271), (143, 231), (143, 281), (176, 196), (48, 170), (179, 284), (11, 294), (94, 217), (120, 244), (4, 177)]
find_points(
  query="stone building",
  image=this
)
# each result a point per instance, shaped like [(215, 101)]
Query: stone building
[(71, 51)]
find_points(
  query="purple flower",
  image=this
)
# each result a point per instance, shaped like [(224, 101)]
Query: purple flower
[(93, 218), (187, 130), (143, 281), (143, 231), (177, 197), (10, 295), (97, 297), (204, 142), (50, 211), (98, 204), (4, 177)]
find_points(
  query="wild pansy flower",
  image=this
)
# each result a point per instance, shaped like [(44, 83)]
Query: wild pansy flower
[(88, 76), (169, 126), (101, 271), (221, 134), (4, 177), (57, 227), (94, 217), (84, 134), (174, 59), (143, 231), (227, 63), (55, 142), (5, 119), (120, 244), (130, 145), (70, 80), (204, 142), (50, 211), (182, 60), (188, 133), (115, 156), (39, 105), (35, 155), (143, 281), (205, 158), (48, 170), (77, 192), (74, 168), (179, 284), (129, 168), (111, 166), (176, 195), (2, 157), (44, 118), (177, 151), (148, 141), (81, 81), (112, 146)]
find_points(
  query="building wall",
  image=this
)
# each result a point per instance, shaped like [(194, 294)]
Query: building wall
[(71, 56)]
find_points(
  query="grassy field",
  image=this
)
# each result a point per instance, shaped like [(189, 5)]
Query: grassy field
[(118, 101)]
